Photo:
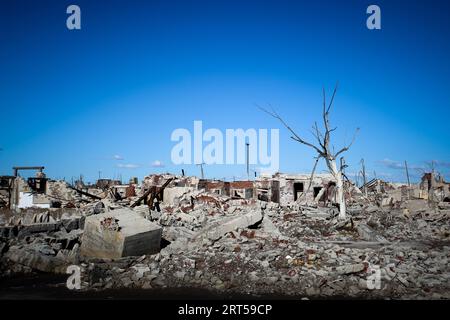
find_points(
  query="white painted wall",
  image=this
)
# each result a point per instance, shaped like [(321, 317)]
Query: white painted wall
[(26, 201)]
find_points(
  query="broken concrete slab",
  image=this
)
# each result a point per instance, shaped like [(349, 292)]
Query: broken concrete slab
[(369, 234), (268, 226), (174, 233), (38, 257), (119, 233), (71, 224), (220, 228), (38, 228)]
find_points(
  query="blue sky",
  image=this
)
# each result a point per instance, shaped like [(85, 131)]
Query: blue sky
[(107, 97)]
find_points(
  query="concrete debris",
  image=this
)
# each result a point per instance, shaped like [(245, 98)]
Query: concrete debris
[(39, 258), (352, 268), (368, 234), (174, 233), (119, 233), (220, 228), (276, 235)]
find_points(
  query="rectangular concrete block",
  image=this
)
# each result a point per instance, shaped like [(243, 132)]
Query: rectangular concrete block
[(119, 233)]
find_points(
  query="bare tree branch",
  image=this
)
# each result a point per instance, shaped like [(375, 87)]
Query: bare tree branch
[(325, 121), (318, 135), (295, 136), (325, 116), (347, 147), (312, 173), (332, 97)]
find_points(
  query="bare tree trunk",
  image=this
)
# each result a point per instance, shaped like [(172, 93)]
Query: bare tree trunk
[(337, 174)]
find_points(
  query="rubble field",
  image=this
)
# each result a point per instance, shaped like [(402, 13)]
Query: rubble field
[(169, 233)]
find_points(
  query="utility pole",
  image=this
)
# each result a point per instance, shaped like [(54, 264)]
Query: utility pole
[(248, 170), (407, 177), (364, 176), (201, 169), (99, 174)]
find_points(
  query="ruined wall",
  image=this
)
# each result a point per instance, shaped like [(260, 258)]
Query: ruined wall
[(295, 188), (171, 195)]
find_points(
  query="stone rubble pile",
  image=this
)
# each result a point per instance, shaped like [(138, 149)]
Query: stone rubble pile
[(205, 240)]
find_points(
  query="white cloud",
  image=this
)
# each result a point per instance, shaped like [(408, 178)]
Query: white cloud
[(157, 164), (117, 157), (413, 169), (128, 166), (392, 164)]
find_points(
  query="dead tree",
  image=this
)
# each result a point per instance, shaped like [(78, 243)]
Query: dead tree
[(324, 149)]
